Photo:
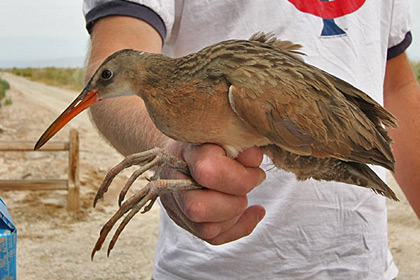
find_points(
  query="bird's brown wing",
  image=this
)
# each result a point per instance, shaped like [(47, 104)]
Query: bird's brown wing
[(309, 115), (290, 52), (378, 114)]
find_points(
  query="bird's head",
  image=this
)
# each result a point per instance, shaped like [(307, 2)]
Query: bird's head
[(110, 80)]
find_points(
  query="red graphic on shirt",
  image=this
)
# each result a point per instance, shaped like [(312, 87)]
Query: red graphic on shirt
[(328, 11)]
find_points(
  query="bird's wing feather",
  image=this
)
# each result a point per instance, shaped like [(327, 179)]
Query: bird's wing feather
[(272, 118), (364, 101), (298, 106), (308, 115)]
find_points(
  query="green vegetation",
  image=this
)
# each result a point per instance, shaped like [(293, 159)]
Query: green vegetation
[(4, 85), (416, 69), (71, 78)]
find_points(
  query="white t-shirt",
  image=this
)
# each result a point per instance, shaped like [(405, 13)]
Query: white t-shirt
[(312, 229)]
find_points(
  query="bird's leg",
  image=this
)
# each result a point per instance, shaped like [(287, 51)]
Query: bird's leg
[(145, 198), (146, 160), (139, 172)]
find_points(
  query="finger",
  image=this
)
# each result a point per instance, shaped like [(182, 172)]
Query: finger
[(217, 232), (205, 231), (211, 168), (175, 213), (251, 157), (209, 231), (244, 226), (201, 206)]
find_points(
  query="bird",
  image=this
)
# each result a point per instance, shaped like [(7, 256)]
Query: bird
[(240, 94)]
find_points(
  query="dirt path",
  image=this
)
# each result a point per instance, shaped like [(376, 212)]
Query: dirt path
[(56, 244)]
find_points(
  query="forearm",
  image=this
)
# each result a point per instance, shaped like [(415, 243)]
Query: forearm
[(402, 98), (123, 121), (222, 214)]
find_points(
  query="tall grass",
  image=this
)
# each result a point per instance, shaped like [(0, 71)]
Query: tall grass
[(71, 78), (4, 85)]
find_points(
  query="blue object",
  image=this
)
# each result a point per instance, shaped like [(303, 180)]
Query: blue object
[(8, 236), (331, 28)]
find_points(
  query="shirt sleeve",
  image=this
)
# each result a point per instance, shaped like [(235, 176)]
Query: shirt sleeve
[(159, 14), (400, 36)]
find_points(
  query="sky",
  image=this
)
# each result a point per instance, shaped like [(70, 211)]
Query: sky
[(33, 31), (43, 32)]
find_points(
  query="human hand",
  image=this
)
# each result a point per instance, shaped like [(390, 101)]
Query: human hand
[(220, 213)]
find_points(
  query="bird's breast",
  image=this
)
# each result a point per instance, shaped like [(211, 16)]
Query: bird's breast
[(197, 113)]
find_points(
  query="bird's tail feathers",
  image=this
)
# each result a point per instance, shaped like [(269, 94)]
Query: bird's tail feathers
[(362, 175), (328, 169), (283, 45)]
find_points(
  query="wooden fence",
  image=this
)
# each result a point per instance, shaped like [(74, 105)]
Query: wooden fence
[(71, 184)]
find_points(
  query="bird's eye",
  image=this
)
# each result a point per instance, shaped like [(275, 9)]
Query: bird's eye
[(106, 74)]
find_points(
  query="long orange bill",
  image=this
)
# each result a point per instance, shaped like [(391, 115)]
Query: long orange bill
[(86, 99)]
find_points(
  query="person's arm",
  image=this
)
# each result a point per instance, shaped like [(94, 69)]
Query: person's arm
[(116, 119), (402, 98), (218, 214)]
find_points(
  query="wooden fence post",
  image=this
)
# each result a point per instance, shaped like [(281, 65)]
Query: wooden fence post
[(74, 184)]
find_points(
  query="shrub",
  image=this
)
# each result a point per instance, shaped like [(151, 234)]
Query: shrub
[(71, 78), (4, 85)]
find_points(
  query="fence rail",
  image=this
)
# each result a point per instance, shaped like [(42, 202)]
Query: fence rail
[(72, 184)]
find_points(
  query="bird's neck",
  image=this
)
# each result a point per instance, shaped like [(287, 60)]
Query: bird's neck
[(159, 70), (165, 73)]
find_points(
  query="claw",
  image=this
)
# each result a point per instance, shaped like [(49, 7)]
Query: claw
[(127, 162), (133, 178), (156, 175), (149, 205), (136, 208), (149, 194), (127, 206), (146, 197), (147, 159)]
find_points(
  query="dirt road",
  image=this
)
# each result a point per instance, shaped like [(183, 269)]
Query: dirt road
[(56, 244)]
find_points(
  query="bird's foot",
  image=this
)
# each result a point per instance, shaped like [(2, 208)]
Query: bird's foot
[(155, 157), (145, 198)]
